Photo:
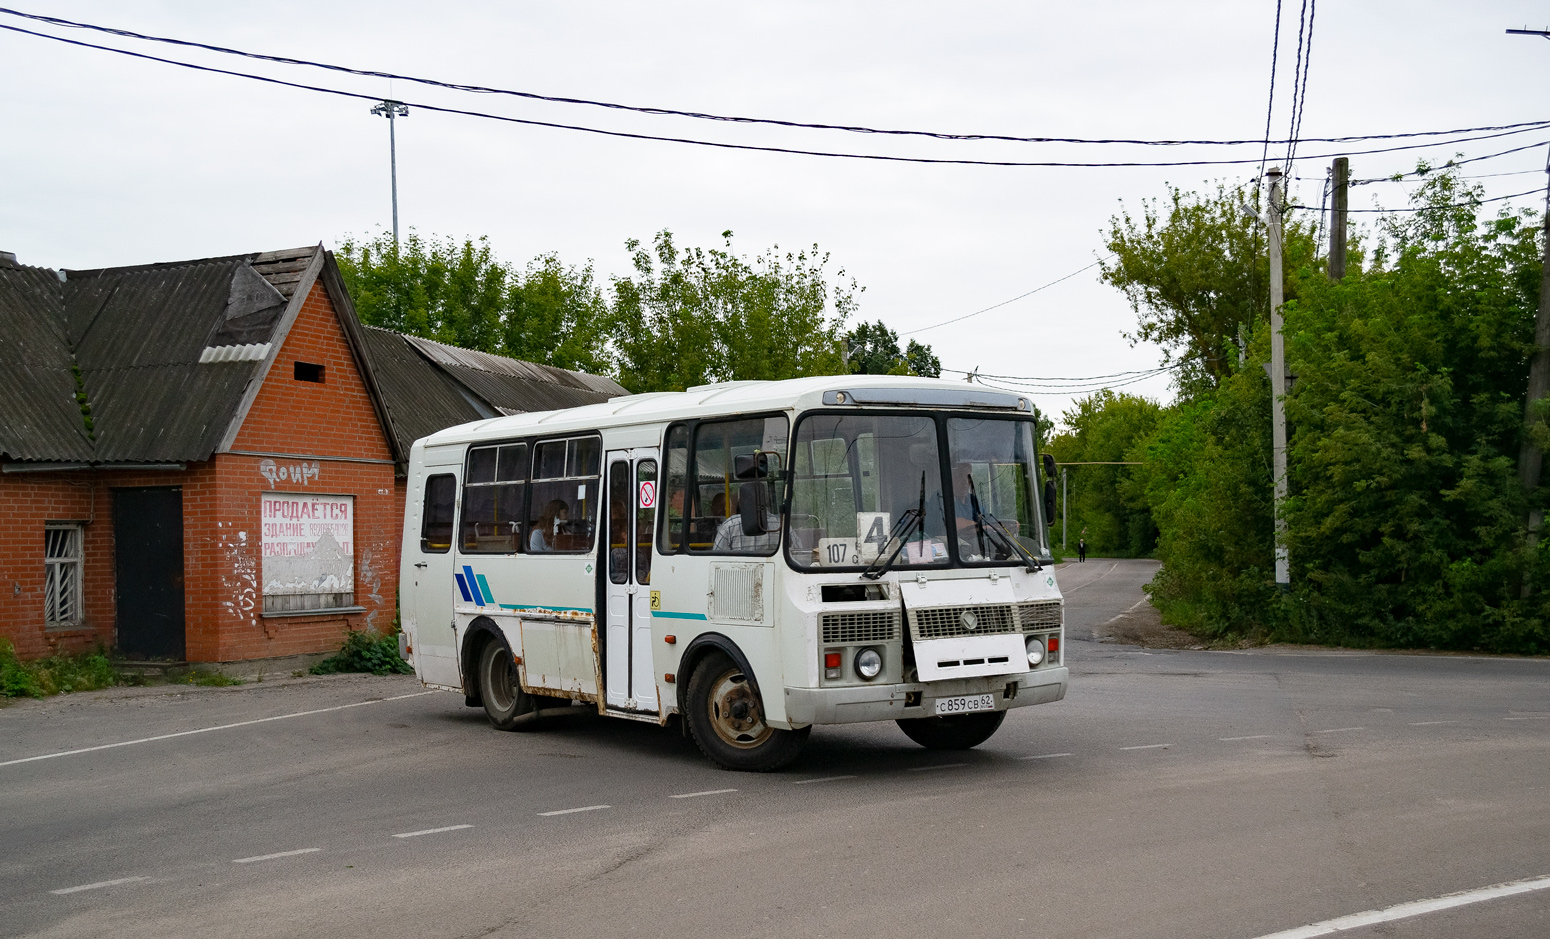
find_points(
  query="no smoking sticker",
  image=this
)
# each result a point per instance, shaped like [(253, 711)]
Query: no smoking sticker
[(648, 495)]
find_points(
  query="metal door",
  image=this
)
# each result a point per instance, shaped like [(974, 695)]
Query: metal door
[(630, 676), (148, 569), (429, 575)]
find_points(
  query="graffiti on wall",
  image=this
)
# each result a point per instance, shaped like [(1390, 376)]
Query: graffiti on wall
[(296, 473), (241, 574)]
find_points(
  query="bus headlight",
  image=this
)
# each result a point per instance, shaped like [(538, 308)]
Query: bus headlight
[(869, 664), (1035, 650)]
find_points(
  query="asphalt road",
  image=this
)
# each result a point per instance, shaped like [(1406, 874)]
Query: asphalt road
[(1172, 794)]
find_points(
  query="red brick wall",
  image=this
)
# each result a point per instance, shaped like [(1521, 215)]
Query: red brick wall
[(221, 503)]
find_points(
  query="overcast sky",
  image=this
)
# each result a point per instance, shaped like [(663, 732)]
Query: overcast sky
[(108, 160)]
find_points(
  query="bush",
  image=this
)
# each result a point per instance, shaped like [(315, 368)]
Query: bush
[(56, 674), (365, 651)]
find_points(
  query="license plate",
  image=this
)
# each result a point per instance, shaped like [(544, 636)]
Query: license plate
[(966, 704)]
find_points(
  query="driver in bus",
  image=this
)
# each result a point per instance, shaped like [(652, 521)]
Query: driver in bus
[(969, 536), (731, 540)]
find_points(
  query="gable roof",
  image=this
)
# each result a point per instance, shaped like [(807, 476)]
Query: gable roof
[(170, 356)]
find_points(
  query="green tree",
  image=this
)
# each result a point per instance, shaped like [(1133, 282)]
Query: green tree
[(1193, 268), (1106, 502), (697, 316), (874, 350), (442, 289)]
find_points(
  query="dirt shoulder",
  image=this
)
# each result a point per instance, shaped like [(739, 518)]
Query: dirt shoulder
[(1142, 626)]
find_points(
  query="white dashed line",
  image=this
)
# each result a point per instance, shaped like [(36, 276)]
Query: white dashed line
[(584, 808), (707, 792), (206, 730), (1250, 737), (1149, 746), (804, 782), (1528, 717), (277, 854), (1043, 756), (927, 769), (1336, 730), (98, 885), (432, 831), (1413, 908), (1431, 723)]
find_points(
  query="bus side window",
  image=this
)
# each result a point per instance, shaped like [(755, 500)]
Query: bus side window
[(715, 524), (436, 519), (566, 490), (493, 491), (675, 453)]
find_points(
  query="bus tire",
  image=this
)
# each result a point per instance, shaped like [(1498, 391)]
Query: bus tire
[(726, 719), (957, 732), (505, 703)]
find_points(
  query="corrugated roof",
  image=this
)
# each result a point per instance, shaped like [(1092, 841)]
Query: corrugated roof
[(139, 337), (40, 418)]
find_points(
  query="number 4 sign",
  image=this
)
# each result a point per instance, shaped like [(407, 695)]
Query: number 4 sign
[(648, 494)]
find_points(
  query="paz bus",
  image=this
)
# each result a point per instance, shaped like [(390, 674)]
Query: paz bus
[(755, 557)]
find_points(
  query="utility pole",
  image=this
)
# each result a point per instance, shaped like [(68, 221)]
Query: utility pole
[(1065, 506), (393, 110), (1342, 176), (1277, 379)]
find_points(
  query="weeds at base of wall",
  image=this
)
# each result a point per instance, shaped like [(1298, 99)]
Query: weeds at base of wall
[(57, 674), (366, 651)]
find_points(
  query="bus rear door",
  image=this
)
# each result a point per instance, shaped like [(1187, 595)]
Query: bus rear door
[(630, 678)]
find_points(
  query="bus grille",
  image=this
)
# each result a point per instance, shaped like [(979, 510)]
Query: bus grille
[(860, 626), (1041, 614), (946, 622)]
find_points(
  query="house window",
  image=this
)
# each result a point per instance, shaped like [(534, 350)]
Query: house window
[(62, 575), (309, 371)]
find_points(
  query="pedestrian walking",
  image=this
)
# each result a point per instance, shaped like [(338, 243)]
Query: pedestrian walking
[(1081, 549)]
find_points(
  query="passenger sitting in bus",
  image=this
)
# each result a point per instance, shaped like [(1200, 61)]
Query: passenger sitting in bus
[(731, 540), (543, 535)]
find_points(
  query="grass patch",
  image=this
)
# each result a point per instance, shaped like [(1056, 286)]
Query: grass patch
[(368, 652), (55, 674)]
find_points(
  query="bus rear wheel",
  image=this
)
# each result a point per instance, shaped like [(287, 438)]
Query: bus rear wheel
[(957, 732), (726, 719), (504, 700)]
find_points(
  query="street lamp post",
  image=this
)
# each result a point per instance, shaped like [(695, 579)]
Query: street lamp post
[(393, 110)]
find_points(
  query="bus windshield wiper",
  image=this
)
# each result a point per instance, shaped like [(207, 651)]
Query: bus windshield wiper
[(999, 533), (912, 519)]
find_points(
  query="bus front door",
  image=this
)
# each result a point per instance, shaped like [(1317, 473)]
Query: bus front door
[(629, 676)]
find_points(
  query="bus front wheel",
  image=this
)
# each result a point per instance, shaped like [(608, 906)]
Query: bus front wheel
[(504, 700), (957, 732), (726, 719)]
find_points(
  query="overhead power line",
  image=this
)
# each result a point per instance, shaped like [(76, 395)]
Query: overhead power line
[(1270, 104), (698, 115), (994, 306), (723, 145), (1427, 208)]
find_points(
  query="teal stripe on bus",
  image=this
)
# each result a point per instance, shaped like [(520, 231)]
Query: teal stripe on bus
[(551, 609), (664, 614)]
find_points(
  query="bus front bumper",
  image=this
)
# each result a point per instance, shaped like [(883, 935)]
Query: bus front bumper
[(854, 704)]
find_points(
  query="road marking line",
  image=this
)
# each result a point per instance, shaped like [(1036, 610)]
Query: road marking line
[(927, 769), (1150, 746), (1528, 717), (803, 782), (1430, 723), (1043, 756), (1336, 730), (206, 730), (1413, 908), (1250, 737), (277, 854), (584, 808), (707, 792), (98, 885), (431, 831), (1067, 592)]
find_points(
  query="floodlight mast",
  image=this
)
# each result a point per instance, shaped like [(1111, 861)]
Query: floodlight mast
[(392, 110)]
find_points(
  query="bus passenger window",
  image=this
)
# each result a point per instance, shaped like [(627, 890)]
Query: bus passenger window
[(436, 519), (645, 472), (563, 513), (492, 500), (676, 453), (619, 522), (724, 465)]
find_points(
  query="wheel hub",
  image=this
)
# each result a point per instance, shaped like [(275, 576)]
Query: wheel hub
[(735, 713)]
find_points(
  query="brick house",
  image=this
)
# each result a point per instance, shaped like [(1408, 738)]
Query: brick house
[(203, 460)]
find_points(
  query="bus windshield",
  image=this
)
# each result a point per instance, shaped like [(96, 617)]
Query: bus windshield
[(859, 479), (856, 476), (994, 489)]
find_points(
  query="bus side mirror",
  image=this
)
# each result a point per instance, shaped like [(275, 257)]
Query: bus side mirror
[(1049, 488), (753, 504)]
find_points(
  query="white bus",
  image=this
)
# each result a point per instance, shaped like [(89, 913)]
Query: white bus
[(755, 557)]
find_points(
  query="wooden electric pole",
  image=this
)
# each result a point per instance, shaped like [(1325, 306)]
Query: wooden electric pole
[(1342, 181)]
